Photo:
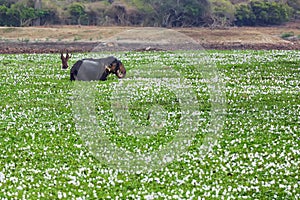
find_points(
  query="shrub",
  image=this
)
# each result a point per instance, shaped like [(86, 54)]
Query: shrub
[(77, 14), (287, 35), (223, 12), (262, 13), (245, 16)]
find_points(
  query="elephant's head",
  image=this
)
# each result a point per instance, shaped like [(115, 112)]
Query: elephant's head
[(117, 68)]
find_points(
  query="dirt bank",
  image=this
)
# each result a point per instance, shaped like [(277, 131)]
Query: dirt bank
[(85, 38)]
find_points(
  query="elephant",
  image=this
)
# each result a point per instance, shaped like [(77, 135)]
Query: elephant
[(90, 69)]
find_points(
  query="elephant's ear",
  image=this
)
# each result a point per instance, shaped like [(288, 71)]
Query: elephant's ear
[(110, 60), (121, 71)]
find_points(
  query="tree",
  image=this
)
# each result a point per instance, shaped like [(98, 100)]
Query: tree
[(223, 13), (166, 13), (175, 13), (38, 8), (20, 14), (3, 15), (260, 13), (77, 14), (245, 16), (295, 4)]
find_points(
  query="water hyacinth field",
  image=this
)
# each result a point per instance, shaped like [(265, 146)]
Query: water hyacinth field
[(256, 154)]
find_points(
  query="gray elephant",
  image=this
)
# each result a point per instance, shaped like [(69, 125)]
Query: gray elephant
[(94, 69)]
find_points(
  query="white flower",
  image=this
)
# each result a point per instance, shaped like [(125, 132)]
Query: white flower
[(59, 195), (149, 197), (2, 177)]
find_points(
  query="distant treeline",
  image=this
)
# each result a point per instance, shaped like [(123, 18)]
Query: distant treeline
[(160, 13)]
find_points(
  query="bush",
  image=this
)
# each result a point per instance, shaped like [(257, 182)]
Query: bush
[(20, 14), (262, 13), (287, 35), (223, 12), (77, 14), (245, 16)]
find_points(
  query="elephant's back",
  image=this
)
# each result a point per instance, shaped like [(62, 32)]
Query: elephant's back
[(90, 70)]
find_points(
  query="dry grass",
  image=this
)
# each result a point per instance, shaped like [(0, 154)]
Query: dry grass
[(249, 35), (59, 33), (243, 35)]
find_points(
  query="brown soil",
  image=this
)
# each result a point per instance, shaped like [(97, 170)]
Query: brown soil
[(84, 38)]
